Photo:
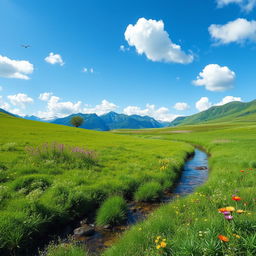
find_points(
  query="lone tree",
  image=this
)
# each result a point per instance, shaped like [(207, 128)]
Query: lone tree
[(76, 121)]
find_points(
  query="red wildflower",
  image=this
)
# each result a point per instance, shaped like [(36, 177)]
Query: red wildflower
[(236, 198), (223, 238)]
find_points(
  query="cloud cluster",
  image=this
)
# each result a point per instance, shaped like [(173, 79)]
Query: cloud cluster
[(237, 31), (54, 59), (181, 106), (216, 78), (246, 5), (161, 114), (150, 38), (57, 108), (20, 100), (204, 103), (19, 69)]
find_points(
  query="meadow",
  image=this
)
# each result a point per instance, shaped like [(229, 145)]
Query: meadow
[(52, 174), (220, 217)]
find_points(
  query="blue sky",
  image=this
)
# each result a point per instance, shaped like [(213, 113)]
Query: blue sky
[(133, 57)]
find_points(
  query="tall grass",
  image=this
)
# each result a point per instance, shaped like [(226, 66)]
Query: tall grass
[(57, 153)]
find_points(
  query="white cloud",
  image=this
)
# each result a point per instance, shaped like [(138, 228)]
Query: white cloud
[(88, 70), (246, 5), (45, 96), (216, 78), (102, 108), (123, 48), (19, 69), (228, 99), (161, 114), (56, 108), (54, 59), (20, 100), (181, 106), (204, 103), (237, 31), (150, 38), (6, 106)]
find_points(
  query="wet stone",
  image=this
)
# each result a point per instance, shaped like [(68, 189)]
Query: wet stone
[(201, 168), (85, 230)]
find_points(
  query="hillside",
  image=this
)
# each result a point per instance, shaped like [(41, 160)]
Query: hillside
[(233, 111)]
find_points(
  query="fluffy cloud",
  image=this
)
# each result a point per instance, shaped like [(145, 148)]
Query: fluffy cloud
[(54, 59), (228, 99), (15, 68), (56, 108), (246, 5), (216, 78), (20, 100), (181, 106), (150, 38), (101, 109), (161, 114), (239, 31), (204, 103), (45, 96)]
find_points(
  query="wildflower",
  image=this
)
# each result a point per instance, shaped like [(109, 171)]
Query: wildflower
[(236, 198), (228, 217), (236, 236), (158, 247), (226, 213), (223, 238), (242, 171), (163, 244), (222, 210), (240, 211), (230, 208)]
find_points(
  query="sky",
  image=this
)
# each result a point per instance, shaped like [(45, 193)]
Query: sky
[(158, 58)]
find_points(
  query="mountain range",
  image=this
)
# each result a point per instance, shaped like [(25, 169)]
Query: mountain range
[(233, 111), (108, 121)]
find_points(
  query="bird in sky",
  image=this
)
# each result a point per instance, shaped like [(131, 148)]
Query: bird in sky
[(25, 46)]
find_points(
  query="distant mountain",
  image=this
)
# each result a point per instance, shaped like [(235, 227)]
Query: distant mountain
[(121, 121), (34, 118), (91, 121), (233, 111), (111, 121)]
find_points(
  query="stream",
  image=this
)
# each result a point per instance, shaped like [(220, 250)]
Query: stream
[(194, 174)]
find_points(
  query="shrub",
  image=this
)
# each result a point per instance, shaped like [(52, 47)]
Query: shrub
[(150, 191), (55, 153), (113, 212)]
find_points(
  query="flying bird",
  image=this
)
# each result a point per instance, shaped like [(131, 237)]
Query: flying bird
[(25, 46)]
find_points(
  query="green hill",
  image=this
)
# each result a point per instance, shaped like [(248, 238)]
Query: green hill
[(233, 111)]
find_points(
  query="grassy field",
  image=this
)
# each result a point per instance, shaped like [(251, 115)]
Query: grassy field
[(220, 217), (52, 174)]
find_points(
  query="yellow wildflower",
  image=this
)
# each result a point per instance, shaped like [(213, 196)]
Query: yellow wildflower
[(163, 244)]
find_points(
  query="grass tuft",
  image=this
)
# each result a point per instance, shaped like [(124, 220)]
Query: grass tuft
[(112, 212)]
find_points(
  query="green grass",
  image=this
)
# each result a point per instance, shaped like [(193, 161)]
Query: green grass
[(48, 189), (191, 225), (112, 212), (150, 191)]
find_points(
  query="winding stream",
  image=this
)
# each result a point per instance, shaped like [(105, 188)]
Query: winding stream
[(194, 174)]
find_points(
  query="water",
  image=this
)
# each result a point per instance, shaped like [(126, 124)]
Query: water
[(194, 174)]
